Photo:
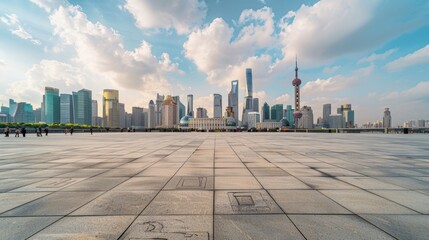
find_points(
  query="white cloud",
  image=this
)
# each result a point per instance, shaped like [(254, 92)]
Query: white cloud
[(16, 28), (222, 58), (332, 28), (20, 32), (420, 56), (419, 93), (181, 15), (330, 70), (336, 83), (2, 62), (375, 57), (47, 5), (283, 99), (10, 19)]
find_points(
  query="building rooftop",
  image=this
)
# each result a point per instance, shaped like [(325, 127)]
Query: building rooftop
[(214, 186)]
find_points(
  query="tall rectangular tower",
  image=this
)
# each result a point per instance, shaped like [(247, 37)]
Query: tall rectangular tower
[(233, 99), (111, 108), (52, 105), (217, 105)]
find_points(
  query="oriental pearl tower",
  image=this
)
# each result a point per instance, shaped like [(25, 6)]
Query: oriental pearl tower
[(296, 82)]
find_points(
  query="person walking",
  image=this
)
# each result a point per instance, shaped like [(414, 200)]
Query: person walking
[(6, 131), (65, 131), (39, 131), (90, 130), (71, 131), (46, 131), (23, 131), (16, 132)]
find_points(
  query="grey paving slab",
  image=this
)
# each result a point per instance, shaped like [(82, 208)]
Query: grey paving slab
[(181, 202), (57, 203), (325, 183), (142, 183), (88, 227), (369, 183), (12, 200), (190, 183), (117, 203), (171, 227), (332, 227), (269, 227), (226, 182), (361, 202), (281, 182), (411, 199), (12, 228), (402, 226), (245, 202), (49, 185), (13, 183), (96, 184)]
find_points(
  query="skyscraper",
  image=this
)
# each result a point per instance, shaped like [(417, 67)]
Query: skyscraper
[(326, 113), (348, 115), (23, 113), (217, 105), (307, 118), (122, 116), (248, 98), (201, 113), (277, 112), (111, 108), (265, 112), (52, 105), (151, 115), (94, 113), (190, 109), (182, 110), (387, 119), (158, 110), (254, 118), (255, 104), (137, 117), (82, 106), (169, 112), (177, 101), (233, 99), (12, 108), (289, 116), (296, 82), (66, 108)]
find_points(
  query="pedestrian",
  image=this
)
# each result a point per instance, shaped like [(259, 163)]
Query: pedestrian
[(6, 132), (71, 131), (39, 131), (16, 132), (65, 131), (46, 131), (90, 130), (23, 131)]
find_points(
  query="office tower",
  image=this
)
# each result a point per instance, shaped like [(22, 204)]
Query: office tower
[(23, 113), (158, 110), (66, 108), (122, 116), (94, 114), (420, 123), (137, 117), (348, 115), (254, 118), (217, 105), (255, 104), (12, 108), (145, 117), (233, 99), (277, 112), (151, 115), (52, 105), (169, 112), (296, 83), (190, 109), (128, 119), (336, 121), (248, 97), (182, 110), (326, 113), (289, 116), (177, 101), (111, 108), (42, 106), (5, 111), (306, 121), (265, 112), (201, 113), (82, 106), (387, 119)]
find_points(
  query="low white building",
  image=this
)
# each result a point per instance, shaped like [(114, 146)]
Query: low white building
[(252, 119)]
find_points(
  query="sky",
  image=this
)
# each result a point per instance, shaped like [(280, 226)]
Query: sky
[(371, 54)]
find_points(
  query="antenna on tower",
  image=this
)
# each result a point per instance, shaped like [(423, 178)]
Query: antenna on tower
[(296, 66)]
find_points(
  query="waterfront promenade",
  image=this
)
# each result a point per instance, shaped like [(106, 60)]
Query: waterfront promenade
[(215, 186)]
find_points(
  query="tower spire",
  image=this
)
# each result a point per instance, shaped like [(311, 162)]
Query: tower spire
[(296, 66)]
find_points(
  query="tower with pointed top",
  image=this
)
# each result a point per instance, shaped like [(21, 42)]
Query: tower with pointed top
[(296, 83)]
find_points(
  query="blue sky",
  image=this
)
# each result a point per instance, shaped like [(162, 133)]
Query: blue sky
[(370, 54)]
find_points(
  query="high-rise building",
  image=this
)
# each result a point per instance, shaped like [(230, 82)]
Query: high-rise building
[(128, 119), (348, 115), (111, 108), (66, 108), (177, 101), (52, 105), (248, 97), (265, 112), (37, 115), (145, 117), (289, 116), (277, 112), (387, 119), (137, 117), (151, 115), (182, 110), (306, 121), (23, 113), (42, 106), (326, 113), (254, 118), (201, 113), (122, 116), (336, 121), (158, 110), (217, 105), (255, 104), (296, 83), (190, 109), (82, 107), (169, 112), (94, 114), (5, 111), (12, 108), (233, 99)]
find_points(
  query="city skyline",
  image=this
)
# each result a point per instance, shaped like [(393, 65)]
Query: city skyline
[(47, 45)]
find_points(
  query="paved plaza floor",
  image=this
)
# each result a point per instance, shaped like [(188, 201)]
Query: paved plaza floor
[(200, 186)]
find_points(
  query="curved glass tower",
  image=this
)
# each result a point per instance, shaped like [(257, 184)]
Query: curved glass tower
[(111, 108)]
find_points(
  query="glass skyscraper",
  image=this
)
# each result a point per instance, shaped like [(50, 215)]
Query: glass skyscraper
[(265, 112), (82, 107), (217, 105), (66, 108), (289, 116), (248, 98), (326, 112), (277, 112), (190, 108), (111, 108), (233, 99), (52, 105)]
